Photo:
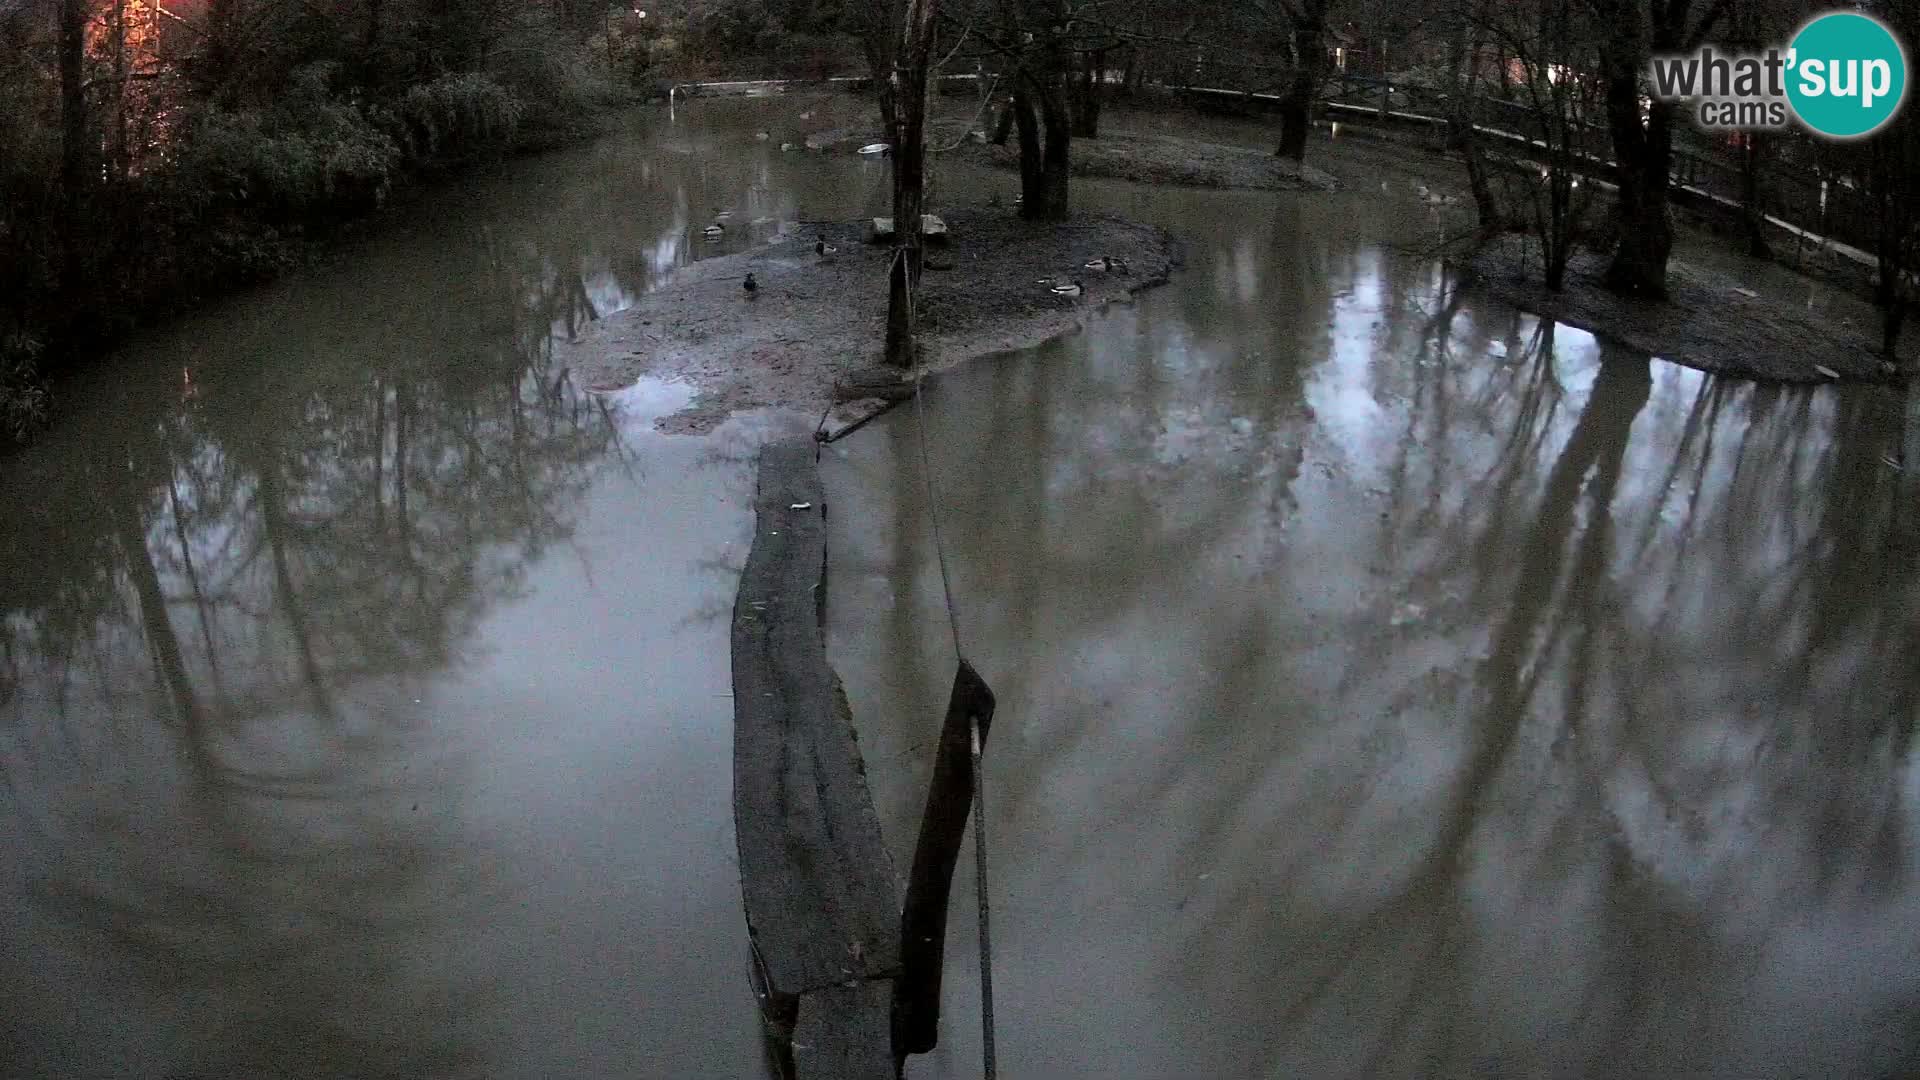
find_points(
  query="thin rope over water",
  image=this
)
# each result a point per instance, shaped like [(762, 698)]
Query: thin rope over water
[(933, 517), (988, 1057), (986, 935), (820, 439)]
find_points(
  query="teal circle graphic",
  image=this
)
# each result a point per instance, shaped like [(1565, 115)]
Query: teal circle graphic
[(1848, 76)]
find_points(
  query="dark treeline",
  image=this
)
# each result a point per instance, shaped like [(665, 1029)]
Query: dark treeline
[(1572, 76), (153, 152)]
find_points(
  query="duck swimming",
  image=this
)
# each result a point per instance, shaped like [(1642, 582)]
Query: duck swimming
[(1106, 263), (714, 232), (1074, 289), (750, 285), (822, 248)]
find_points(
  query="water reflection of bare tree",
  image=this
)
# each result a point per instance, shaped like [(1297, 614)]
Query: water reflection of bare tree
[(275, 560), (1737, 591)]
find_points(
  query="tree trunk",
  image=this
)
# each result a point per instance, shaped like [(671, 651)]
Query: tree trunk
[(1296, 105), (1055, 156), (909, 178), (1296, 118), (879, 30), (1556, 232), (73, 135), (1086, 110), (1892, 159), (1386, 84), (1031, 193), (373, 27), (1753, 215), (1463, 64), (1644, 154), (117, 148), (220, 50), (1003, 127), (1643, 150)]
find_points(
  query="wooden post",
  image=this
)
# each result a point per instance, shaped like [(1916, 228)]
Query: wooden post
[(909, 83), (923, 921)]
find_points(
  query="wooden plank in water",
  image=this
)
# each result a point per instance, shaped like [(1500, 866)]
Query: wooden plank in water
[(822, 902), (842, 1032)]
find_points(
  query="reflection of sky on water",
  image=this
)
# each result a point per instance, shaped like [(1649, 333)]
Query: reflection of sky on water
[(1394, 686), (365, 711)]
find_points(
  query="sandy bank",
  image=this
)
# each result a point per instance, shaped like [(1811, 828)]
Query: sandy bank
[(816, 322)]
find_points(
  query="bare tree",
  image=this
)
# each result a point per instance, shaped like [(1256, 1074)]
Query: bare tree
[(1304, 23), (1465, 47), (1892, 165), (1546, 38), (74, 146), (878, 26), (1631, 32), (909, 91)]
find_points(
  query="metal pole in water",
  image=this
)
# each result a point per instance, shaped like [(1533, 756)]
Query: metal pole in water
[(986, 934)]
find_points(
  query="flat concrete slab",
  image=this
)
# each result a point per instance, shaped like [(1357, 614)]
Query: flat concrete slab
[(823, 904)]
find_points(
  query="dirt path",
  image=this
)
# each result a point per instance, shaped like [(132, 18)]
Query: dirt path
[(817, 322)]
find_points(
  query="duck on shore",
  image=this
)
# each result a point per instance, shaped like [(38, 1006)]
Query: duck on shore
[(751, 286)]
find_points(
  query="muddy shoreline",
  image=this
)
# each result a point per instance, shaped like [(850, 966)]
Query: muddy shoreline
[(1167, 160), (1710, 322), (817, 322)]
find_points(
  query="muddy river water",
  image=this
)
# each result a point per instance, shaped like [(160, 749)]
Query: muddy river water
[(1390, 685)]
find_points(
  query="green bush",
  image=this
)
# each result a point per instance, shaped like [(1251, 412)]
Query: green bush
[(236, 166), (310, 152), (566, 90), (23, 395), (458, 113)]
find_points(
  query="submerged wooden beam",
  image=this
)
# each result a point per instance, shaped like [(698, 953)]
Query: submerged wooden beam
[(822, 902), (923, 921)]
